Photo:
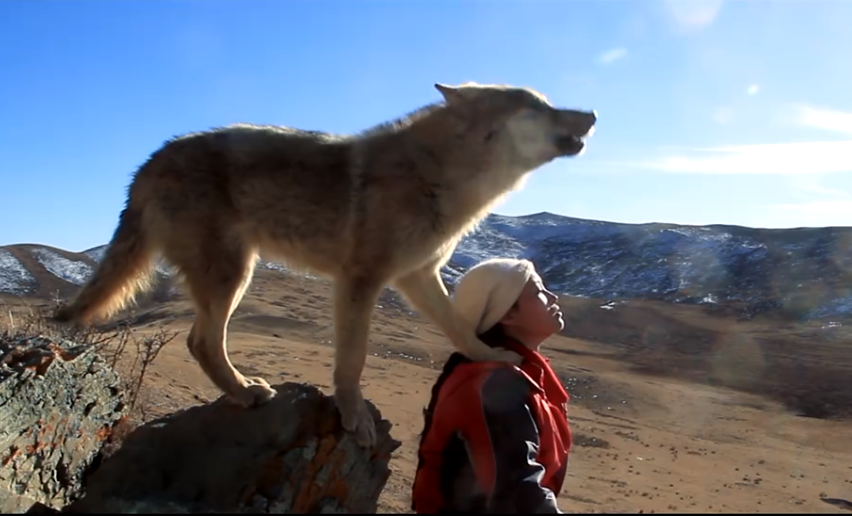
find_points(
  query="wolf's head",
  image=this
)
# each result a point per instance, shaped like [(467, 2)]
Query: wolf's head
[(517, 125)]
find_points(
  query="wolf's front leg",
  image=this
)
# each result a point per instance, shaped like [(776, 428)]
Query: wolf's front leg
[(426, 291), (353, 307)]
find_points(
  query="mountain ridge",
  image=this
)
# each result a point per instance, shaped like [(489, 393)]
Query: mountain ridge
[(801, 273), (567, 218)]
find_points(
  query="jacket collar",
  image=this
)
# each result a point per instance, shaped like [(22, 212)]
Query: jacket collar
[(537, 367)]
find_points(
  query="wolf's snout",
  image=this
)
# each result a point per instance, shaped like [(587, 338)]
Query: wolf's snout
[(573, 127), (579, 123), (591, 116)]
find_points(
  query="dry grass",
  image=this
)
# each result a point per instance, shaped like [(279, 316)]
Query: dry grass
[(690, 435), (805, 367), (131, 356), (822, 393)]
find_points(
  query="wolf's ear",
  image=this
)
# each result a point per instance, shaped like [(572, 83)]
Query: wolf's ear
[(451, 93)]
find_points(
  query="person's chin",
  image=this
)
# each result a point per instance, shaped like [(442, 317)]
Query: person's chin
[(559, 323)]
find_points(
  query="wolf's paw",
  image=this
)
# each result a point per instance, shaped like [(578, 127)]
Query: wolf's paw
[(256, 380), (257, 392), (355, 417)]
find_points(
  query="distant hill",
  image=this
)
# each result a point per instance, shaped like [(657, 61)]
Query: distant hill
[(802, 273)]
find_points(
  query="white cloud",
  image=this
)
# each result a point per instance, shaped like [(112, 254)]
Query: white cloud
[(776, 159), (694, 14), (816, 213), (783, 159), (825, 119), (812, 184), (612, 55), (753, 89)]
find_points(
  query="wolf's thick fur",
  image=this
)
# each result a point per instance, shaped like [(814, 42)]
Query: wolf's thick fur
[(384, 207)]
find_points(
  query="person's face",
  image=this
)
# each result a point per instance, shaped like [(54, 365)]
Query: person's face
[(536, 314)]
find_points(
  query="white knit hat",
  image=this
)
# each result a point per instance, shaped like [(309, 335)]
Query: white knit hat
[(486, 292)]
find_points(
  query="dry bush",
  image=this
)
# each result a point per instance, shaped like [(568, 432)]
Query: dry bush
[(128, 354), (820, 393), (816, 390), (588, 441)]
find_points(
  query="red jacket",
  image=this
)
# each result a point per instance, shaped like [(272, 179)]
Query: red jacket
[(499, 440)]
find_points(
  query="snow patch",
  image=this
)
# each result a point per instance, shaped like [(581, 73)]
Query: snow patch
[(162, 267), (283, 269), (709, 299), (14, 277), (581, 258), (72, 271), (96, 253)]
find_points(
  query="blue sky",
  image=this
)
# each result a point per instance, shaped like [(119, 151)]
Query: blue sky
[(734, 112)]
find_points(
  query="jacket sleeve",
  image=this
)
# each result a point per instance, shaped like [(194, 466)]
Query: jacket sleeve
[(502, 439)]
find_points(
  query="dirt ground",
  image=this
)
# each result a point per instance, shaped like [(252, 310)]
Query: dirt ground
[(644, 441)]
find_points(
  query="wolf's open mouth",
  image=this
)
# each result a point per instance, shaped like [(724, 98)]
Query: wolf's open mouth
[(570, 145)]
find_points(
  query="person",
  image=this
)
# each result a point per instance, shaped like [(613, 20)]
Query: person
[(496, 437)]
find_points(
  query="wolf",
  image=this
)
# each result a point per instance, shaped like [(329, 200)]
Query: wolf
[(384, 207)]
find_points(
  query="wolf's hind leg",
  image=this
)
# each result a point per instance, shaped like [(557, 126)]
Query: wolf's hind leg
[(217, 281), (354, 299)]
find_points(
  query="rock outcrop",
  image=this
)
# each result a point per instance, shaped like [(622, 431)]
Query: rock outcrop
[(288, 456), (60, 406)]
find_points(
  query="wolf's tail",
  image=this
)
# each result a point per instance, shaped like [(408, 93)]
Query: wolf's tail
[(124, 270)]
